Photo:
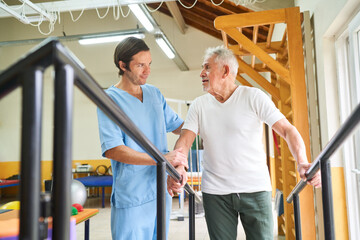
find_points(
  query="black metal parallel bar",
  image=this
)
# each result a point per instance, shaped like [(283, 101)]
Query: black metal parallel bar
[(327, 199), (297, 218), (336, 141), (267, 146), (87, 229), (64, 84), (103, 197), (39, 56), (161, 201), (296, 190), (32, 80), (191, 216)]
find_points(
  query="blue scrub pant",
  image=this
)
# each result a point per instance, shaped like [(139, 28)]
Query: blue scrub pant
[(137, 222)]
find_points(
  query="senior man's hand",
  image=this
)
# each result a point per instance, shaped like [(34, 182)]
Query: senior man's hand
[(175, 186), (315, 181)]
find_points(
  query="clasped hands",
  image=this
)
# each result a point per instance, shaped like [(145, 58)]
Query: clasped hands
[(180, 162)]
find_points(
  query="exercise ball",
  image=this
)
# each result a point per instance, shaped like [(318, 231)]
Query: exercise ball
[(78, 192), (11, 205)]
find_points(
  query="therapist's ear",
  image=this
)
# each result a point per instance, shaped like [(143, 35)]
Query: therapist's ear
[(122, 66)]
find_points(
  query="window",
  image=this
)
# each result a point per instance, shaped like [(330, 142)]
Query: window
[(348, 70)]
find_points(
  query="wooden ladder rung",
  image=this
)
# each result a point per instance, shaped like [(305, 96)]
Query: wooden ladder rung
[(292, 173), (283, 228), (289, 114), (288, 100)]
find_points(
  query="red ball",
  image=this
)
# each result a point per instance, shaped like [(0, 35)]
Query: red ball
[(78, 207)]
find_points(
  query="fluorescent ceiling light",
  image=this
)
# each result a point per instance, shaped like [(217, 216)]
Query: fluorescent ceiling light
[(165, 47), (107, 39), (142, 17)]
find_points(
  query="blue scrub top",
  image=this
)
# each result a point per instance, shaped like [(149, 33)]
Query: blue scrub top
[(134, 185)]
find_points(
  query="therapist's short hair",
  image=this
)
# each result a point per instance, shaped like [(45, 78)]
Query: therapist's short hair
[(126, 49), (223, 56)]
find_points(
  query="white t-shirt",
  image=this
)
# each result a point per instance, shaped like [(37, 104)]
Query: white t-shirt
[(234, 160)]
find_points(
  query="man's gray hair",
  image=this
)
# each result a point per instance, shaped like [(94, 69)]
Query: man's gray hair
[(224, 56)]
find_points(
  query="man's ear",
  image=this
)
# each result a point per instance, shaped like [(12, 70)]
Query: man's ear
[(122, 65), (226, 71)]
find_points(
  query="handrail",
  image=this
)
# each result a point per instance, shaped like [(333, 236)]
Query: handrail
[(28, 72), (336, 141), (322, 162)]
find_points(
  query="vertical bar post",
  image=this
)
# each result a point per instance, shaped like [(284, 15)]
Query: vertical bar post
[(31, 153), (191, 216), (64, 86), (161, 201), (327, 199), (87, 229), (297, 218), (103, 197)]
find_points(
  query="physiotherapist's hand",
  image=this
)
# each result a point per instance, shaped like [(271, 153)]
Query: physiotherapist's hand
[(175, 186), (315, 181), (177, 158)]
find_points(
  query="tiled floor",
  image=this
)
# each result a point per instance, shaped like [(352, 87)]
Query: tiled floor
[(179, 230)]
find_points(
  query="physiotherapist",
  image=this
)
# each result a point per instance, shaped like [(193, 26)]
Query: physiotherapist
[(133, 197)]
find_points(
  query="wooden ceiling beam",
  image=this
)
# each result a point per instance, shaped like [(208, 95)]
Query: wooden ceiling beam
[(228, 7), (209, 7), (210, 31), (204, 19), (200, 11), (206, 22), (225, 11), (178, 18), (203, 14)]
